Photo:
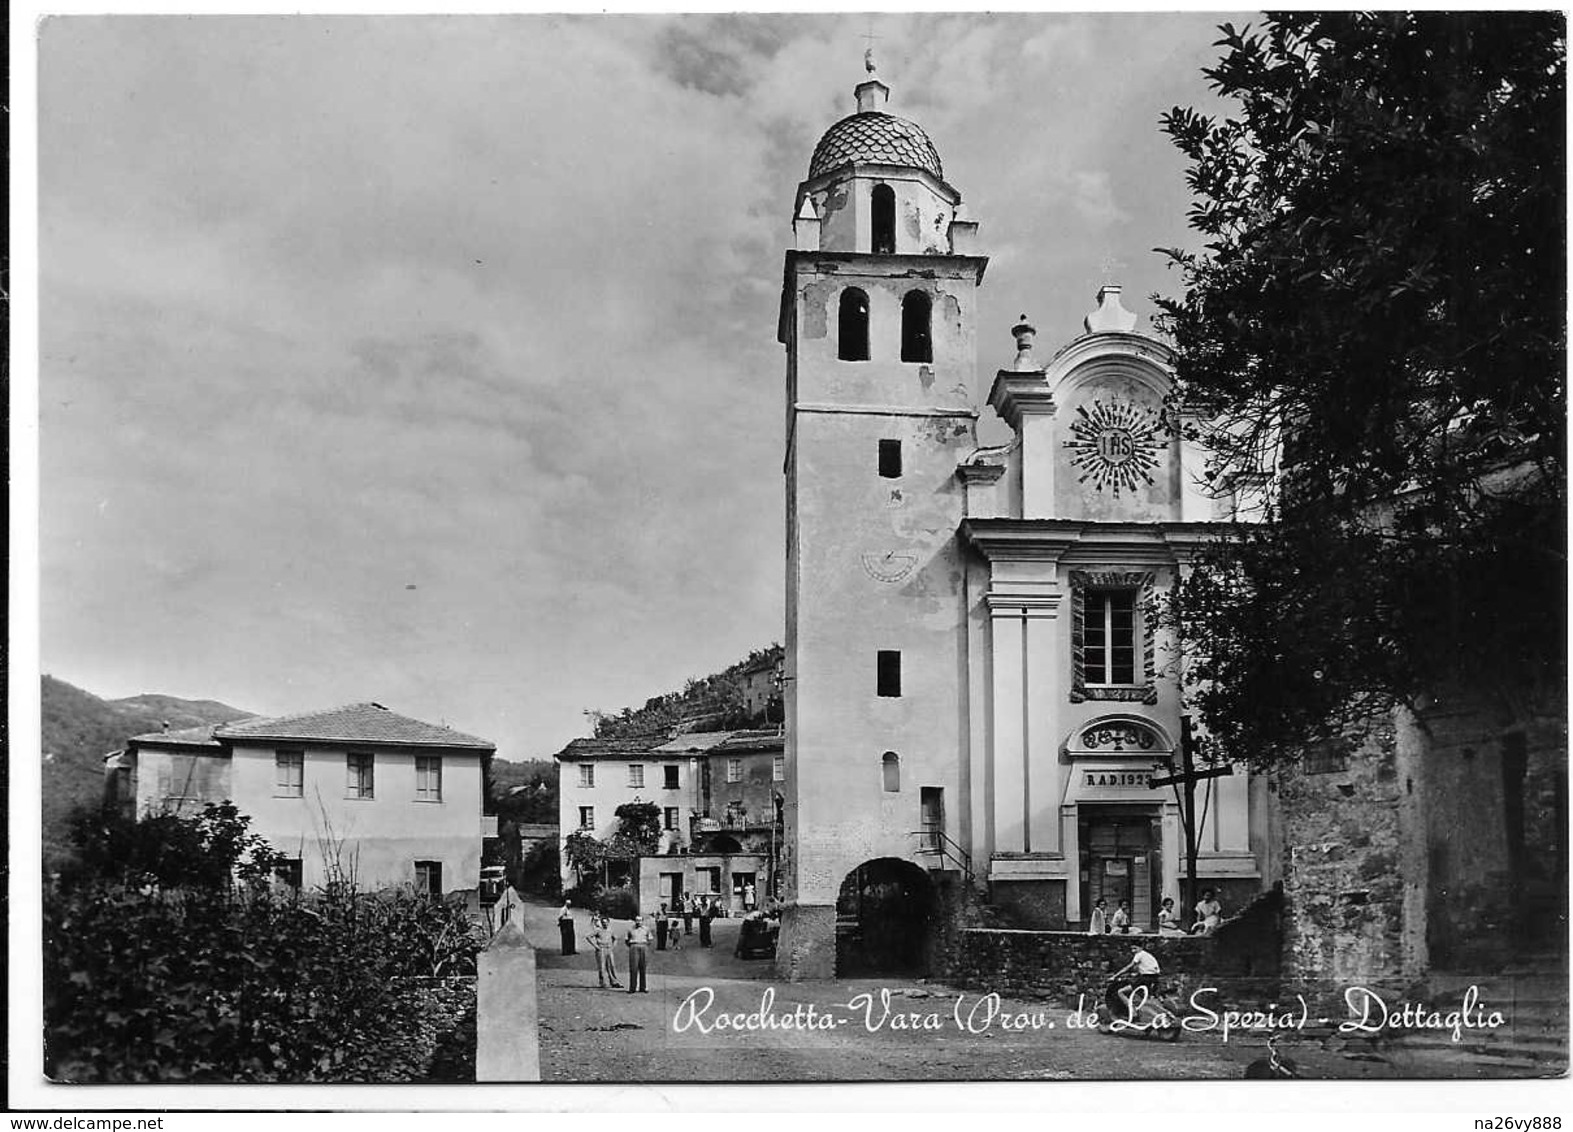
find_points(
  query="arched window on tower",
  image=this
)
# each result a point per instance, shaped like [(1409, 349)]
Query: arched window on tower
[(917, 344), (852, 326), (884, 208), (890, 766)]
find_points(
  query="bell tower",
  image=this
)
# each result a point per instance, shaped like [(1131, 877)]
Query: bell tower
[(878, 307)]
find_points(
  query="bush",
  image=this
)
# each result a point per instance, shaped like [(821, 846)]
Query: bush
[(618, 903), (146, 979)]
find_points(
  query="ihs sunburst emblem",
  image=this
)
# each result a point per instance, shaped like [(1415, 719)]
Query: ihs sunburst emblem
[(1116, 444)]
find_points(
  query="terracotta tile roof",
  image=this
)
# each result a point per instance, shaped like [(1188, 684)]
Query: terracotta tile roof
[(657, 746), (353, 723), (623, 747), (184, 737), (694, 741), (771, 740)]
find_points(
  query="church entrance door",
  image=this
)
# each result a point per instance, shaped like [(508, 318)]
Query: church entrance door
[(1120, 860)]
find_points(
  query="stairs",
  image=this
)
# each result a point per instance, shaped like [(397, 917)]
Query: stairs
[(1531, 994)]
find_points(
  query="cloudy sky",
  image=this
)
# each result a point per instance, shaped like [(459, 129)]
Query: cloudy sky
[(433, 361)]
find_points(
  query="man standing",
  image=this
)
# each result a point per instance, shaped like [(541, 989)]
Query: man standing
[(706, 914), (603, 941), (638, 955)]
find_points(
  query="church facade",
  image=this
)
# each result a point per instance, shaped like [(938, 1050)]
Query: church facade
[(978, 689)]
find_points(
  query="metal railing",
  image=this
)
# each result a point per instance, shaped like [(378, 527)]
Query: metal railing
[(934, 841)]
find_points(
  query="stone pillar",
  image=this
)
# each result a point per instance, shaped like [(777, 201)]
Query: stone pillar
[(806, 948), (507, 1037)]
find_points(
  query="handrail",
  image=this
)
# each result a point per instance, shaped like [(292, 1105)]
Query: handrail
[(935, 840)]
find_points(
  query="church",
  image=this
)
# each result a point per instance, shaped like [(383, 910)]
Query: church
[(979, 693)]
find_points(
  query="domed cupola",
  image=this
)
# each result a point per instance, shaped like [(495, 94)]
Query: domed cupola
[(875, 184), (871, 137)]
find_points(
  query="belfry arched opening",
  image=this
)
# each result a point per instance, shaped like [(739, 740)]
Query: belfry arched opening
[(884, 913)]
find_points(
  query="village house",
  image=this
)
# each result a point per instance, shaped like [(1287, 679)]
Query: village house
[(355, 792), (719, 798)]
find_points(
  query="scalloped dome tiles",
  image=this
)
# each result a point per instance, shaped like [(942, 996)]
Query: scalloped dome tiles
[(874, 137)]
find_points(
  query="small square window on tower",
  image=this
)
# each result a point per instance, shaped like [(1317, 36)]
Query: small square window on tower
[(889, 677), (890, 459)]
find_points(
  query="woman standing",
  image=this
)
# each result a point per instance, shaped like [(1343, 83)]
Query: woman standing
[(565, 926)]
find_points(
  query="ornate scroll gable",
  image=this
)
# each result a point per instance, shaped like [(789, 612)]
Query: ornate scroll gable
[(1142, 582)]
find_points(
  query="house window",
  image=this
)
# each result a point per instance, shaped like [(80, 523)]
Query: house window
[(734, 770), (917, 344), (670, 817), (890, 770), (670, 773), (888, 678), (1109, 640), (890, 459), (586, 774), (883, 201), (287, 871), (428, 778), (778, 769), (708, 881), (186, 777), (360, 782), (636, 774), (428, 878), (586, 817), (852, 326), (289, 774)]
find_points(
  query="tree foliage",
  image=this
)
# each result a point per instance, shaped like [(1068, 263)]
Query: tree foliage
[(1376, 327), (715, 702), (209, 850), (638, 831)]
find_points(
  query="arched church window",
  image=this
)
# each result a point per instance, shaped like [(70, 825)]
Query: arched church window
[(917, 344), (884, 209), (852, 326), (890, 768)]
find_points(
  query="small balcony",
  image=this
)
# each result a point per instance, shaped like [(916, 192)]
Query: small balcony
[(729, 823)]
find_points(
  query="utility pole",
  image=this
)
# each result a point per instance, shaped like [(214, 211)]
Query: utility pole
[(1185, 794)]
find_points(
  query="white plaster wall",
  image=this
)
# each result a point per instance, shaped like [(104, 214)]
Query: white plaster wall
[(845, 208), (611, 790), (380, 838), (844, 518)]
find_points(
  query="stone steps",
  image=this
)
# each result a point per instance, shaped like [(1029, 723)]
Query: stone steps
[(1532, 997)]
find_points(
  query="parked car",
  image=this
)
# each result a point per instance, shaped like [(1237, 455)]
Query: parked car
[(756, 937), (493, 881)]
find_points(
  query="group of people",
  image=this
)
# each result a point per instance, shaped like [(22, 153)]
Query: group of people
[(1209, 914), (671, 925)]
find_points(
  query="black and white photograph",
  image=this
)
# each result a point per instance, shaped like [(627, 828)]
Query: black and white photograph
[(712, 551)]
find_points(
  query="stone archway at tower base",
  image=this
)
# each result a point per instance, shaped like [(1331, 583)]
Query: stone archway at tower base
[(885, 915)]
